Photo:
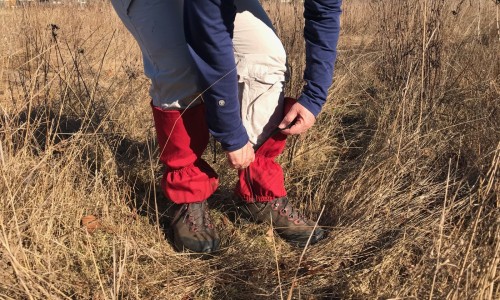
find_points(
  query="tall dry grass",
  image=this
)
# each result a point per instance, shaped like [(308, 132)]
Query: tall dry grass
[(405, 159)]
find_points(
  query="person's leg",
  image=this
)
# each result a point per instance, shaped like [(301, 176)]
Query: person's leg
[(178, 114), (188, 180), (157, 26), (261, 64)]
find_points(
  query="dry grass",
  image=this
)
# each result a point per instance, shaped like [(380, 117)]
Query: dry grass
[(405, 159)]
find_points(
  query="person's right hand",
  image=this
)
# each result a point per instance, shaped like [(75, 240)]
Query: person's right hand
[(241, 158)]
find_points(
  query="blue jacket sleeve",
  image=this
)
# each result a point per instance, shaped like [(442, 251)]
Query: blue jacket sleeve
[(321, 33), (208, 28)]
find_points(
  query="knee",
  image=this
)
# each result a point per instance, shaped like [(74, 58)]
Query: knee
[(265, 68)]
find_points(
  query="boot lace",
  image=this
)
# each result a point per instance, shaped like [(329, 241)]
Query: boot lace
[(286, 209), (198, 217)]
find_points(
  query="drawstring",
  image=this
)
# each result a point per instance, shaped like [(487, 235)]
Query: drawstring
[(214, 148), (273, 133)]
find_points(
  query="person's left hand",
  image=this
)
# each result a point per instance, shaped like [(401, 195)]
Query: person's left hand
[(304, 119)]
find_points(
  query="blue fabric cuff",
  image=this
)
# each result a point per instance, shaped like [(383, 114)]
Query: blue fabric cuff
[(313, 106), (234, 140)]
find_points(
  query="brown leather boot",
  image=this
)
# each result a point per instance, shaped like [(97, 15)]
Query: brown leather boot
[(193, 229), (286, 220)]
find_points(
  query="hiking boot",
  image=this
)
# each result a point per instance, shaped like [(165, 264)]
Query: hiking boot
[(193, 229), (286, 220)]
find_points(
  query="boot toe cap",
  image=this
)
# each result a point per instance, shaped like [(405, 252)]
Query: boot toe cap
[(199, 244)]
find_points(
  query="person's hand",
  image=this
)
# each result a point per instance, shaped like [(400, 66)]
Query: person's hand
[(304, 119), (241, 158)]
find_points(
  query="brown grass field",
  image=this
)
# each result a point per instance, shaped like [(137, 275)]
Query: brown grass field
[(404, 160)]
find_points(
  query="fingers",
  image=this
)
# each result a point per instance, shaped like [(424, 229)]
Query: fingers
[(297, 128), (247, 158), (288, 119), (241, 158), (303, 118), (243, 162)]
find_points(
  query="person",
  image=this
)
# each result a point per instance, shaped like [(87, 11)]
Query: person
[(217, 67)]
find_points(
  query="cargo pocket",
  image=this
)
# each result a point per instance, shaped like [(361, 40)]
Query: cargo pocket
[(261, 79)]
